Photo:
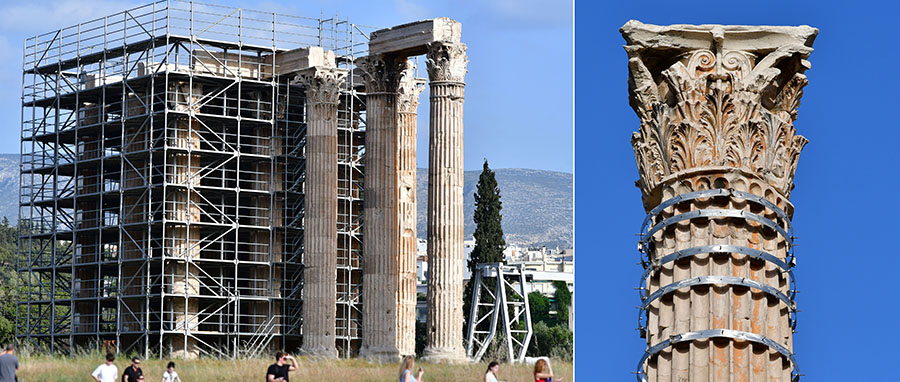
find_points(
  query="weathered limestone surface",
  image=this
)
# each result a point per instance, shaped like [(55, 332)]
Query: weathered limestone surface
[(300, 59), (183, 240), (407, 105), (446, 71), (389, 237), (717, 105), (380, 238), (392, 93), (412, 39), (323, 87)]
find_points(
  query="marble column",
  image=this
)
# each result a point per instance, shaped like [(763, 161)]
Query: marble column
[(716, 106), (408, 91), (389, 294), (446, 71), (323, 87)]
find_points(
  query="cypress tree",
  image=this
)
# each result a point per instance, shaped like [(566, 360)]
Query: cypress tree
[(489, 243)]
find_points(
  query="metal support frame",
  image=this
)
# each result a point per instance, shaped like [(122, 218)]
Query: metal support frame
[(162, 182), (487, 303)]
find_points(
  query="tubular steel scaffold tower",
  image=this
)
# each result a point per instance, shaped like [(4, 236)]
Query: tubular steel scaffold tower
[(162, 183), (505, 300)]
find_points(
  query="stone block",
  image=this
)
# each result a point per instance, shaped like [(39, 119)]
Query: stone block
[(232, 64), (412, 39), (298, 59), (752, 38)]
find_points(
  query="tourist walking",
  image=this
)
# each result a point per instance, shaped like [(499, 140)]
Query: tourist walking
[(170, 375), (132, 372), (278, 372), (406, 368), (491, 374), (8, 364), (106, 372)]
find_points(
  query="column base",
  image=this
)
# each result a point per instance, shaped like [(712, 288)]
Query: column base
[(451, 356), (319, 352), (380, 355)]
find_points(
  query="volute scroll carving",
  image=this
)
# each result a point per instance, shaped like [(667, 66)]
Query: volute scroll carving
[(707, 102), (446, 61), (408, 90), (381, 73), (323, 85)]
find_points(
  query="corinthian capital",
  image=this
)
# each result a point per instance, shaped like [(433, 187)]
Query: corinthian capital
[(447, 61), (323, 85), (408, 90), (381, 72), (717, 96)]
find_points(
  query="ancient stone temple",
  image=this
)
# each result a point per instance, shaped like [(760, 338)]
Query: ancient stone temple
[(716, 153), (224, 182), (389, 288)]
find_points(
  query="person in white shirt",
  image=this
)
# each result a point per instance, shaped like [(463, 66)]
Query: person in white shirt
[(491, 374), (106, 372), (170, 375)]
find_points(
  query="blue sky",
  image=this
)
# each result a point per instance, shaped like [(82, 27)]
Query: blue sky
[(846, 184), (518, 110)]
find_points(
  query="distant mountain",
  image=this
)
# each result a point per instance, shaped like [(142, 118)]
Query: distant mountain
[(537, 205), (9, 186)]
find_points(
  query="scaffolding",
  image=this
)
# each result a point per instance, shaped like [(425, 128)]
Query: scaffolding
[(161, 200)]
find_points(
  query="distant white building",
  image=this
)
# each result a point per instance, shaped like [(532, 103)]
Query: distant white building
[(542, 265)]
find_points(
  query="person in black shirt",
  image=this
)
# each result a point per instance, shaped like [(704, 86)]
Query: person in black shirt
[(131, 373), (278, 372)]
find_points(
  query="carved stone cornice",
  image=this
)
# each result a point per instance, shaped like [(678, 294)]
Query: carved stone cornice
[(709, 96), (446, 62), (323, 85), (381, 73), (408, 90)]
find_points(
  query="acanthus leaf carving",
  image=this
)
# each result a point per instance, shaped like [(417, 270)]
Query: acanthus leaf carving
[(323, 85), (446, 61), (408, 89), (381, 74), (714, 114)]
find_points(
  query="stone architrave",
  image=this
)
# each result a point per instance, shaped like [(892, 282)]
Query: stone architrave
[(446, 71), (323, 89), (716, 107)]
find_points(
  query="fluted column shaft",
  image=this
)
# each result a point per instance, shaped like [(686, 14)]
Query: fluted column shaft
[(407, 105), (320, 202), (446, 71), (716, 153), (389, 295)]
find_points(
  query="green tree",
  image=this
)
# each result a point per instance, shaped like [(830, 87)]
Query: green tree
[(540, 308), (563, 299), (553, 341), (8, 296), (489, 243)]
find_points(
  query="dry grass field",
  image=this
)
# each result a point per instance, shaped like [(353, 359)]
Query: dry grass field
[(59, 369)]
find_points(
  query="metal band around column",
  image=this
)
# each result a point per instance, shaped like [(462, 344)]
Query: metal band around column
[(717, 213), (655, 265), (718, 280), (718, 333), (712, 193), (787, 234)]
